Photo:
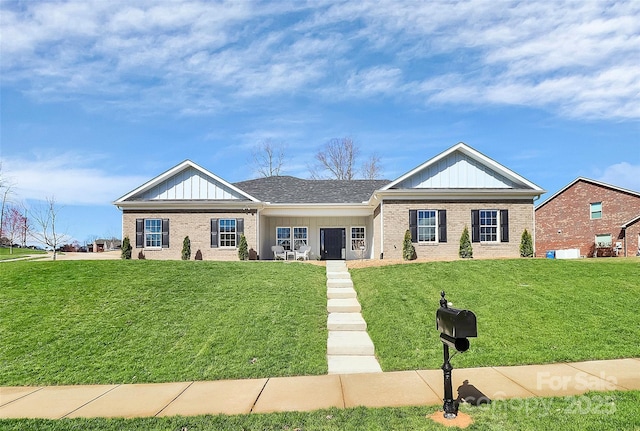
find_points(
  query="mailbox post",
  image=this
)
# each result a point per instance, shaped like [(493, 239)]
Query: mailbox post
[(455, 326)]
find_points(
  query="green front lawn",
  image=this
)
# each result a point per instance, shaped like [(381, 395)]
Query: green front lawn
[(592, 411), (528, 310), (7, 253), (81, 322)]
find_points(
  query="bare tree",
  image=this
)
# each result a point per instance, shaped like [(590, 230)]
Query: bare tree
[(14, 226), (338, 157), (268, 158), (371, 168), (5, 191), (45, 229)]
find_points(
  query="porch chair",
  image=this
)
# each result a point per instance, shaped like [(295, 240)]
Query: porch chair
[(278, 252), (303, 252)]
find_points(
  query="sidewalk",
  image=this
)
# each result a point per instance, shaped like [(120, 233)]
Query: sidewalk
[(307, 393)]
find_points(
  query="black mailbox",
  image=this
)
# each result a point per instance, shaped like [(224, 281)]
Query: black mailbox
[(455, 326)]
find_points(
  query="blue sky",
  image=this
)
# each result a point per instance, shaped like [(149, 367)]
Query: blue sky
[(98, 97)]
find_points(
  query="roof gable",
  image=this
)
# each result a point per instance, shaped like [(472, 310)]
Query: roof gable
[(186, 181), (588, 181), (461, 167)]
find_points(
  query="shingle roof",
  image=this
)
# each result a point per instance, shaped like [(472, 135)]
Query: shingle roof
[(287, 189)]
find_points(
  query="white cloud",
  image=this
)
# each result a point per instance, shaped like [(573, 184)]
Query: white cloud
[(69, 178), (623, 175), (576, 58)]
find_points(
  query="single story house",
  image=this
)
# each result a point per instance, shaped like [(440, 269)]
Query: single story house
[(355, 219), (588, 215)]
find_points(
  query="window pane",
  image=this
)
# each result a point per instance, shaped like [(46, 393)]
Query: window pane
[(153, 232), (426, 226), (227, 232), (603, 240), (299, 237), (357, 238), (489, 225), (596, 210), (283, 237)]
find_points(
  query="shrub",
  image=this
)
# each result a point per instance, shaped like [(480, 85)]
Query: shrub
[(466, 251), (198, 255), (243, 252), (186, 248), (526, 244), (408, 250), (126, 248)]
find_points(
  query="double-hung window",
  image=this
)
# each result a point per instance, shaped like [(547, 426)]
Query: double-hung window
[(427, 226), (604, 240), (300, 237), (596, 210), (153, 233), (227, 229), (358, 238), (488, 225)]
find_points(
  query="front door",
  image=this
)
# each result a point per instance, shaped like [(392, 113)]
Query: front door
[(332, 242)]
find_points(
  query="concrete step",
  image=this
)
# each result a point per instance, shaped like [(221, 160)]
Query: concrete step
[(346, 322), (343, 364), (339, 275), (348, 305), (351, 343), (333, 264), (341, 292), (339, 282)]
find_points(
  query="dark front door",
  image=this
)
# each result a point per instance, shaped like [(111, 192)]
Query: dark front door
[(331, 243)]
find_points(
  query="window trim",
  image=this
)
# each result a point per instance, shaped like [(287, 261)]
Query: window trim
[(305, 241), (279, 240), (147, 233), (233, 235), (435, 226), (495, 226), (605, 245), (363, 239)]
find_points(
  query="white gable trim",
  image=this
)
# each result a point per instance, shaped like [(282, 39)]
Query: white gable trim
[(475, 155), (174, 171)]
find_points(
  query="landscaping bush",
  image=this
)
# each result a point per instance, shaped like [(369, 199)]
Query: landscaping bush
[(126, 248), (243, 252), (186, 248), (408, 250), (466, 251), (526, 244)]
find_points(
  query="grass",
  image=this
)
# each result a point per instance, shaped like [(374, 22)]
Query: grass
[(91, 322), (528, 311), (6, 254), (592, 411)]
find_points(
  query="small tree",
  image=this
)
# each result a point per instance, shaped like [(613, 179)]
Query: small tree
[(466, 251), (186, 248), (526, 244), (243, 252), (408, 250), (126, 248), (46, 230)]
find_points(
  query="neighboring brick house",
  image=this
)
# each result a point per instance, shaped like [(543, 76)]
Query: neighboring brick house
[(338, 219), (587, 213)]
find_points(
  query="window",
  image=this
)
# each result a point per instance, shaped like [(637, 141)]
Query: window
[(227, 228), (596, 210), (153, 232), (283, 237), (603, 240), (299, 237), (357, 238), (427, 226), (488, 225)]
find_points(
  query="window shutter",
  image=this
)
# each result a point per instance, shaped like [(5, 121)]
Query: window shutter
[(504, 225), (239, 230), (475, 225), (165, 233), (413, 225), (139, 233), (214, 232), (442, 225)]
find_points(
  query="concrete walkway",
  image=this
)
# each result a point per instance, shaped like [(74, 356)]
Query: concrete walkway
[(307, 393), (350, 350)]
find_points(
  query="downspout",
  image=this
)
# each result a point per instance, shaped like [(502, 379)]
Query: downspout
[(533, 208), (381, 229)]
